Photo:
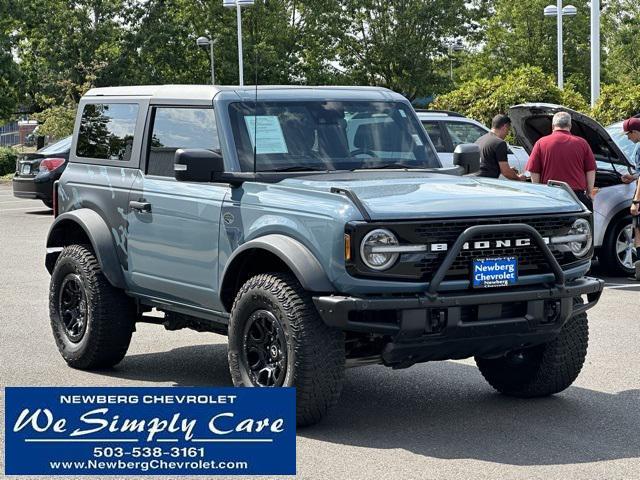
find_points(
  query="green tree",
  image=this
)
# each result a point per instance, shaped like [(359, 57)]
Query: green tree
[(617, 102), (621, 39), (483, 99), (293, 41), (9, 73), (57, 121), (65, 46), (399, 43), (516, 34)]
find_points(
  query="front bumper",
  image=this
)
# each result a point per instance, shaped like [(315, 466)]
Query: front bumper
[(460, 325), (440, 325)]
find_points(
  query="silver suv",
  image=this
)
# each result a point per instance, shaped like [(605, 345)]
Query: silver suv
[(447, 130), (613, 234)]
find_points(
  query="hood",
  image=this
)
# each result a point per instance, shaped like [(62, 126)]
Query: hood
[(416, 195), (532, 121)]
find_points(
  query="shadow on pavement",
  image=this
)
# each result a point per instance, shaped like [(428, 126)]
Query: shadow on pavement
[(199, 365), (44, 212), (445, 410), (442, 410)]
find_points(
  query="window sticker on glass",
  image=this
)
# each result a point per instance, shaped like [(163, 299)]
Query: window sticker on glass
[(416, 138), (269, 133)]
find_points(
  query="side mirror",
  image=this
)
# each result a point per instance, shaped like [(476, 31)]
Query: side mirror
[(467, 156), (198, 165)]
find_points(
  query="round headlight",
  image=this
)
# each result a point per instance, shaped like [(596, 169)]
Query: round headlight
[(373, 249), (581, 227)]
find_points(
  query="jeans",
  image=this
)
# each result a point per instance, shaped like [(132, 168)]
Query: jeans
[(582, 196)]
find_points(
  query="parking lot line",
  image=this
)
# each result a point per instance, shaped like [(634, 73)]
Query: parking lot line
[(623, 286), (2, 201), (35, 207)]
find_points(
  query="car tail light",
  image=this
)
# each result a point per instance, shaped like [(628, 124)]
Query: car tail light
[(55, 199), (49, 164)]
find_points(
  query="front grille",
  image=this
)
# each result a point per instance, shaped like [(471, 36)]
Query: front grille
[(422, 267)]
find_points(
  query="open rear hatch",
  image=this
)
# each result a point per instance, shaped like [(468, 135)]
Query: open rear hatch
[(531, 121)]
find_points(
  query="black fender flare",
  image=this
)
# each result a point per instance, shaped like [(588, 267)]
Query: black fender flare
[(304, 265), (97, 231)]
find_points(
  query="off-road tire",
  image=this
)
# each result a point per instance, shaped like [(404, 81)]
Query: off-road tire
[(544, 369), (608, 254), (315, 361), (110, 314)]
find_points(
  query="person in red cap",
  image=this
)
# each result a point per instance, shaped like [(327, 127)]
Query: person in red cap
[(564, 157), (631, 128)]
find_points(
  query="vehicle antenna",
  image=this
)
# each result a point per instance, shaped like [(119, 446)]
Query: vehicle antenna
[(255, 68)]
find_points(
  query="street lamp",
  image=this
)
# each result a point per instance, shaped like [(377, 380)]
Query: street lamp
[(595, 51), (238, 4), (204, 42), (453, 46), (552, 11)]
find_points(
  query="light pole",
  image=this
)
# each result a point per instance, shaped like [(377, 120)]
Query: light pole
[(204, 42), (238, 4), (552, 11), (453, 46), (595, 51)]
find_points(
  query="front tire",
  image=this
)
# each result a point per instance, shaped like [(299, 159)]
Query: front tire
[(541, 370), (92, 321), (618, 253), (277, 338)]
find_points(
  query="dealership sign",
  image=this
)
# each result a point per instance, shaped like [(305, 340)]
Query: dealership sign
[(152, 431)]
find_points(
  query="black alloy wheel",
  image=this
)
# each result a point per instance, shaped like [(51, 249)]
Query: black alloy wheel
[(265, 350), (72, 305)]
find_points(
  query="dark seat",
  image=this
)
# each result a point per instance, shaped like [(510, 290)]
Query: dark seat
[(380, 137)]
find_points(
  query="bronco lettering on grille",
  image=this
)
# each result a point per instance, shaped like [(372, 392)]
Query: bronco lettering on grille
[(486, 244)]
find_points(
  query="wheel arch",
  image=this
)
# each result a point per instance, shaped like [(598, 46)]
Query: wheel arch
[(85, 226), (272, 252)]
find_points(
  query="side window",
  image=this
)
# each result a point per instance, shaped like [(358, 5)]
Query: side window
[(106, 131), (176, 127), (435, 134), (464, 132)]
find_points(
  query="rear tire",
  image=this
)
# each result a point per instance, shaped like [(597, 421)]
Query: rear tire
[(612, 257), (277, 338), (541, 370), (92, 321), (48, 203)]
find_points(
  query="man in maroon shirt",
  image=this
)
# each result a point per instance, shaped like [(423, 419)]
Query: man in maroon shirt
[(564, 157)]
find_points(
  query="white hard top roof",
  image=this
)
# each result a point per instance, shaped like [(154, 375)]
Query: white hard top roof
[(171, 93)]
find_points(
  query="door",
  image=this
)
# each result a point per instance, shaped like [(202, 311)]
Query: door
[(174, 226)]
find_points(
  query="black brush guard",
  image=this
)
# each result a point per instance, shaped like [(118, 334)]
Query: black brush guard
[(438, 326)]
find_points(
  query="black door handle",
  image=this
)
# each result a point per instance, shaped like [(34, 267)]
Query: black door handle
[(140, 206)]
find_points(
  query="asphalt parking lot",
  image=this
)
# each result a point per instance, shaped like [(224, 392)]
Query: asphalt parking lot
[(431, 421)]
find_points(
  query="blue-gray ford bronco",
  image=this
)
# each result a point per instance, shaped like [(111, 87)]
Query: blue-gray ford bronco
[(317, 229)]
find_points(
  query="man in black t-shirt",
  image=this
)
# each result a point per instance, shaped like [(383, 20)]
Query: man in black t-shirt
[(493, 151)]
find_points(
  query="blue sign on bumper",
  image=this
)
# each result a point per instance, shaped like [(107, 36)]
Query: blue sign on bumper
[(495, 272), (150, 431)]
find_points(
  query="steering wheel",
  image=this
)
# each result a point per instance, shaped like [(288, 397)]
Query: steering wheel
[(363, 151)]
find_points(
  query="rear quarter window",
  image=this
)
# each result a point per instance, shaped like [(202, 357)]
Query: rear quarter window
[(106, 131)]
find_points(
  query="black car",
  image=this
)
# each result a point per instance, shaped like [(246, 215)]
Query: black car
[(36, 172)]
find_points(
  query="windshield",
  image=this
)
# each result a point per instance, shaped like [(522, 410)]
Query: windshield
[(325, 135), (629, 148), (62, 146)]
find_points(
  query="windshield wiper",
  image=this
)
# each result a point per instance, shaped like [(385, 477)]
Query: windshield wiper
[(300, 168), (390, 166)]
